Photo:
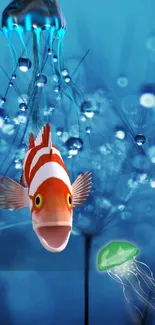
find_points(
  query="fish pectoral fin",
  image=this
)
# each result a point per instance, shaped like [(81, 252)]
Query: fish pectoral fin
[(12, 194), (81, 188)]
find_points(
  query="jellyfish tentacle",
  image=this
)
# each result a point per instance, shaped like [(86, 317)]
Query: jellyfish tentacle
[(139, 295), (145, 265), (139, 283), (119, 280), (19, 33)]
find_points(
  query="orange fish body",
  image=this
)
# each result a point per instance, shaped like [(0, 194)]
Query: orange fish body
[(49, 193)]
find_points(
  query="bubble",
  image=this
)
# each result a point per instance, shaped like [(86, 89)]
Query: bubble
[(41, 80), (120, 134), (140, 139), (74, 145), (122, 81), (23, 107), (59, 131), (24, 64)]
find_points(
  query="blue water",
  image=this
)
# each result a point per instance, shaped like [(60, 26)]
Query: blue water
[(115, 40)]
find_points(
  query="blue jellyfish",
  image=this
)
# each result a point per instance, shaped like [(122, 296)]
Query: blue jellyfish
[(44, 20)]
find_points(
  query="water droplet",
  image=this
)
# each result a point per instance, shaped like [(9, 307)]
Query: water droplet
[(121, 207), (74, 145), (120, 134), (49, 52), (59, 131), (2, 101), (147, 98), (56, 89), (14, 76), (88, 129), (122, 81), (55, 59), (64, 73), (18, 165), (55, 78), (10, 84), (88, 109), (41, 80), (23, 107), (67, 79), (152, 181), (83, 118), (140, 139), (24, 64)]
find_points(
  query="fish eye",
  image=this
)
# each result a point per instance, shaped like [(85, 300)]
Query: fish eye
[(38, 200), (69, 200)]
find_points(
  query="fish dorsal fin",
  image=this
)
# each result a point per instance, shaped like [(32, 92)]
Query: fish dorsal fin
[(81, 188), (12, 195), (31, 141), (44, 137), (38, 139)]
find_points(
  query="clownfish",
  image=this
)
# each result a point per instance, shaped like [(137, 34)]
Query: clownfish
[(46, 188)]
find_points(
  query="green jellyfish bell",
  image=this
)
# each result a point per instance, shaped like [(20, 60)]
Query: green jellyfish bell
[(116, 253)]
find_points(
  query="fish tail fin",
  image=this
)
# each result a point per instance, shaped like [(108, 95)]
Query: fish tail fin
[(44, 137), (12, 195)]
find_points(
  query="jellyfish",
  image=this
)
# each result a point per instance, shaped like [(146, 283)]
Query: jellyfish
[(118, 259), (39, 26)]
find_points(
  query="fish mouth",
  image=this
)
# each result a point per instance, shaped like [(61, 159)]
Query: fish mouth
[(54, 238)]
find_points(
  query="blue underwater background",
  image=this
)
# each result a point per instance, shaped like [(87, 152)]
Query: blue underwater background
[(106, 108)]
